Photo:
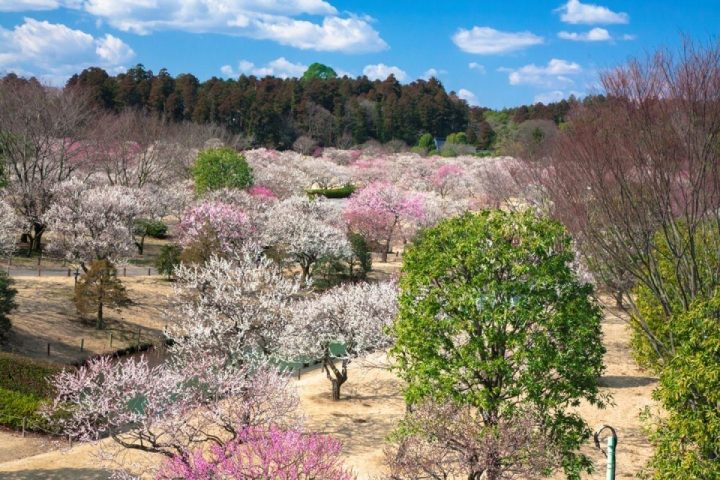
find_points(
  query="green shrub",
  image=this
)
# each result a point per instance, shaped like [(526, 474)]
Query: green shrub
[(168, 259), (14, 406), (7, 303), (26, 376), (687, 435), (154, 228), (338, 192), (221, 168), (655, 316), (361, 255), (425, 141)]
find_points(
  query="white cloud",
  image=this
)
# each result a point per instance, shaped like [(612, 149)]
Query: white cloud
[(381, 71), (554, 73), (280, 67), (40, 47), (628, 37), (26, 5), (433, 72), (595, 35), (586, 13), (468, 96), (274, 20), (554, 96), (477, 67), (113, 50), (487, 41)]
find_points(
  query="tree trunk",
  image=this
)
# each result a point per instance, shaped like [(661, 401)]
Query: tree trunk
[(36, 238), (140, 245), (336, 377), (99, 324)]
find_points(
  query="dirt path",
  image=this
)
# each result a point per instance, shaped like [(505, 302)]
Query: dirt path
[(370, 408)]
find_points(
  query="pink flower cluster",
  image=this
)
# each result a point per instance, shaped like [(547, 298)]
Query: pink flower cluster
[(230, 224), (263, 453)]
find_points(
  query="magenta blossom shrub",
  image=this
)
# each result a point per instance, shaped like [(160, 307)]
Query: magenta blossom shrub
[(380, 210), (258, 191), (262, 454), (226, 221)]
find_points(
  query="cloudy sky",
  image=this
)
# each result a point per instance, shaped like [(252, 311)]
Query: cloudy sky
[(493, 53)]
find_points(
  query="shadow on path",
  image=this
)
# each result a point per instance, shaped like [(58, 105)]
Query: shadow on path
[(57, 474)]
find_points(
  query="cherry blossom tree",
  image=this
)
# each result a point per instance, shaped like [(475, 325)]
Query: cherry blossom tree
[(92, 222), (303, 231), (227, 224), (379, 210), (170, 409), (235, 307), (8, 226), (353, 317), (263, 453)]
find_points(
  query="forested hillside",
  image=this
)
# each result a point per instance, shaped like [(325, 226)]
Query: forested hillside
[(338, 112)]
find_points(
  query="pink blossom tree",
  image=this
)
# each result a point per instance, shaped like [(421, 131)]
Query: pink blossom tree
[(227, 224), (379, 210), (353, 316), (263, 453), (302, 230)]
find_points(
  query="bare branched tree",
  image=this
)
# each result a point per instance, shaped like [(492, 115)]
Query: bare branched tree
[(636, 177)]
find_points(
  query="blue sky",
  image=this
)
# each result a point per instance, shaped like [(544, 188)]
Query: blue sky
[(496, 54)]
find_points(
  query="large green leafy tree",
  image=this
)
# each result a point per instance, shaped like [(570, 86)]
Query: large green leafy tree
[(221, 168), (318, 70), (687, 437), (493, 316)]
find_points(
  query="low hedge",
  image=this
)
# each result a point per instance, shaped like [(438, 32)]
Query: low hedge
[(337, 192), (14, 406), (27, 376)]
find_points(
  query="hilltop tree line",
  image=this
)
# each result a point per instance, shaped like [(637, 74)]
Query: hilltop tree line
[(338, 112)]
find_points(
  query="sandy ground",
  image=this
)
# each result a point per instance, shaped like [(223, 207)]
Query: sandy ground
[(370, 408), (46, 314)]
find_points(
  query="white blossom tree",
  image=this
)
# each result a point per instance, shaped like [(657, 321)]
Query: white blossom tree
[(305, 232), (93, 222), (168, 410), (352, 318), (235, 307), (8, 226)]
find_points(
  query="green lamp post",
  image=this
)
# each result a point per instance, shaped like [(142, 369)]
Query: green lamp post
[(611, 444)]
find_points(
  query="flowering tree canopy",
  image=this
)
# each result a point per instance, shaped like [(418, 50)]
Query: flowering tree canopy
[(172, 408), (227, 224), (93, 222), (234, 308), (301, 229), (264, 453), (353, 317), (380, 209)]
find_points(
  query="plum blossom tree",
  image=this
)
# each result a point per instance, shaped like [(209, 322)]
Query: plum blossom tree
[(42, 143), (302, 230), (92, 222), (353, 317), (235, 307), (379, 210), (8, 225), (170, 409), (227, 224), (264, 453), (439, 440)]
